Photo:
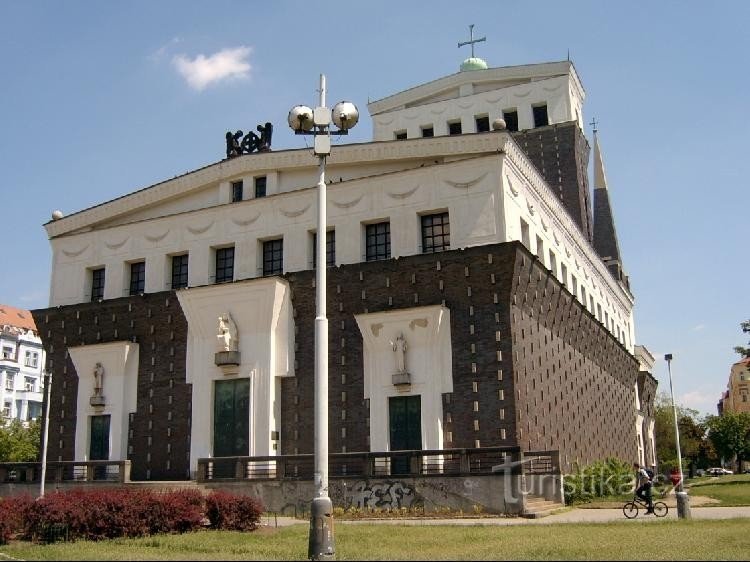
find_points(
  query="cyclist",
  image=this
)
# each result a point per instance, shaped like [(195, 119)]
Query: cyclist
[(643, 484)]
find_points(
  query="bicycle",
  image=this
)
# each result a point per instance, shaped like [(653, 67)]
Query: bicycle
[(630, 509)]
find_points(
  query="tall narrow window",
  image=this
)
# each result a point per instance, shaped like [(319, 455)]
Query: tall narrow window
[(525, 234), (540, 115), (180, 271), (436, 233), (454, 128), (540, 249), (97, 284), (273, 257), (378, 241), (483, 123), (224, 264), (511, 119), (564, 274), (574, 285), (237, 191), (330, 248), (137, 277), (583, 296), (428, 131), (553, 262), (260, 186)]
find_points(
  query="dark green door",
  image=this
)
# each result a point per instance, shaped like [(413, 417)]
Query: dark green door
[(99, 445), (231, 423), (405, 417)]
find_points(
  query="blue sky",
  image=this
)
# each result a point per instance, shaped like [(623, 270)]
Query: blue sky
[(99, 99)]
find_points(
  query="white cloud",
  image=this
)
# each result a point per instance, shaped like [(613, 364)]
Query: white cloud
[(161, 52), (698, 400), (203, 71), (699, 327)]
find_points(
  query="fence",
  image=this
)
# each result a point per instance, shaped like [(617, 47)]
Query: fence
[(66, 471)]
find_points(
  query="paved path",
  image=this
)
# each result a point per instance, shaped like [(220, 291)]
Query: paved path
[(575, 515)]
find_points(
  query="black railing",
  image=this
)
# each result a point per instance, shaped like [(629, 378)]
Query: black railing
[(66, 471), (441, 462)]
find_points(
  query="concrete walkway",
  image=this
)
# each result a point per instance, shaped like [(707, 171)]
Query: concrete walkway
[(575, 515)]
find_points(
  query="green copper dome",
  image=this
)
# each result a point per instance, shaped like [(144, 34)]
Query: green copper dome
[(473, 63)]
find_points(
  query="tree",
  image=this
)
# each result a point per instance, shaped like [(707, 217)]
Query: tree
[(19, 443), (730, 434), (694, 444), (744, 351)]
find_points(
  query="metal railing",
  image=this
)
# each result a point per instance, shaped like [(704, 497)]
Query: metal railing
[(441, 462), (66, 471)]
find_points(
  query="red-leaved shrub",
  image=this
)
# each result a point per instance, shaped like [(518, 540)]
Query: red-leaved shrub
[(13, 512), (231, 512)]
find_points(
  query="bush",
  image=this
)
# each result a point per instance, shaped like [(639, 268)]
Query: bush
[(13, 512), (119, 512), (233, 513), (610, 477)]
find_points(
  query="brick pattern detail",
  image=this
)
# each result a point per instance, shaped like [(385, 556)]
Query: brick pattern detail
[(159, 432), (561, 154)]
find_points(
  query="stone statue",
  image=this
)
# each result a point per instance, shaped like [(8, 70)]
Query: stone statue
[(227, 335), (98, 379), (399, 346)]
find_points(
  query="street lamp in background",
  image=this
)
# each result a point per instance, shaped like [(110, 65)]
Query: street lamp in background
[(48, 393), (306, 121), (683, 502)]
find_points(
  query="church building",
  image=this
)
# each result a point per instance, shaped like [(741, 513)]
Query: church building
[(477, 296)]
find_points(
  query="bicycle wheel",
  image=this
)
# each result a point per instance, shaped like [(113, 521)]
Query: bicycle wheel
[(630, 510), (660, 509)]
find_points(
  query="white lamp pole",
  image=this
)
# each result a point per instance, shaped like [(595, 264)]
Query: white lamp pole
[(306, 121), (683, 502), (48, 392)]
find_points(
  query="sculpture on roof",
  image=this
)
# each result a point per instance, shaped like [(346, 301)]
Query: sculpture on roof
[(238, 144)]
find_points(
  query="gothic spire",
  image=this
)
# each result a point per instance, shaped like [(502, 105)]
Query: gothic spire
[(605, 234)]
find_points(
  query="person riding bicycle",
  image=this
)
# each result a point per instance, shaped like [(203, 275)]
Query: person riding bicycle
[(644, 483)]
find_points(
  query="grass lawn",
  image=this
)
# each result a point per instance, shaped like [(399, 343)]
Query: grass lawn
[(627, 540), (729, 490)]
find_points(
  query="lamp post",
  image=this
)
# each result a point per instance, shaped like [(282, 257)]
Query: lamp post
[(683, 502), (306, 121), (45, 442)]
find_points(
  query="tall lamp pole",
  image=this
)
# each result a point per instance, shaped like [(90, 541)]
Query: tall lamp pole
[(306, 121), (683, 502), (45, 442)]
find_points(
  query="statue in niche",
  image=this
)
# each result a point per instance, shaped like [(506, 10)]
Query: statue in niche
[(399, 346), (98, 379), (227, 335)]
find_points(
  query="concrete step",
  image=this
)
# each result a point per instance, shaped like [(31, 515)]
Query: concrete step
[(537, 507)]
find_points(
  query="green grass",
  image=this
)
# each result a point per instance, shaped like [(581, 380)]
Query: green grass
[(654, 540)]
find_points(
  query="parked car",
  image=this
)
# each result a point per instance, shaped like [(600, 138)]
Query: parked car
[(718, 471)]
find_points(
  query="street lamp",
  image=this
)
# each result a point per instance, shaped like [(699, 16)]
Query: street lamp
[(306, 121), (683, 502)]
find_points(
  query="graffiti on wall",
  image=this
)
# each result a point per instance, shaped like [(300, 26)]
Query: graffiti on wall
[(382, 495)]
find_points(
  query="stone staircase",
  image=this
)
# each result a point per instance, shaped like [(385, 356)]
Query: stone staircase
[(537, 506)]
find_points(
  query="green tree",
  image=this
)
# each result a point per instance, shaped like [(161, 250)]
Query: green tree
[(730, 434), (744, 351), (19, 443), (694, 445)]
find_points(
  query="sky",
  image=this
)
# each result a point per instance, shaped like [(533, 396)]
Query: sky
[(99, 99)]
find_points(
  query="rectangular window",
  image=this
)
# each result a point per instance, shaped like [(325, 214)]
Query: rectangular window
[(330, 248), (6, 410), (540, 249), (7, 352), (483, 123), (97, 284), (583, 295), (28, 384), (236, 191), (525, 234), (599, 312), (574, 285), (32, 359), (564, 274), (553, 262), (10, 382), (511, 120), (224, 264), (137, 277), (540, 115), (436, 233), (378, 241), (273, 257), (399, 135), (180, 271), (454, 127), (428, 131), (260, 186)]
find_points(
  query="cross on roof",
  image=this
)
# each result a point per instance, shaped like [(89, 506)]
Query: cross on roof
[(471, 40), (593, 124)]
